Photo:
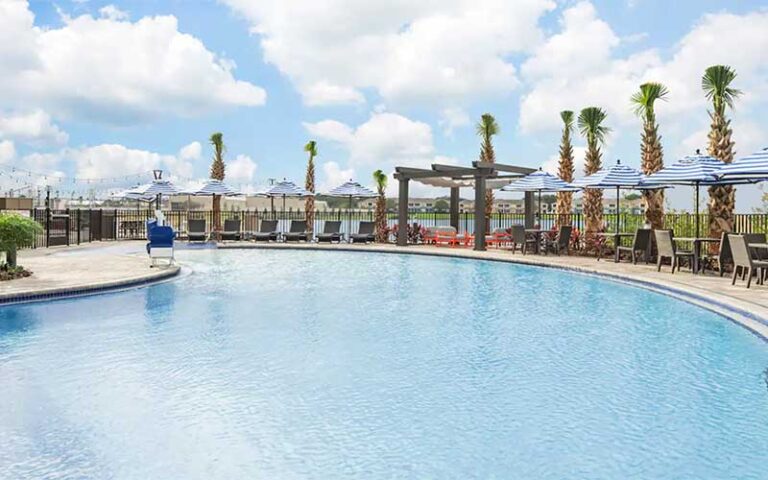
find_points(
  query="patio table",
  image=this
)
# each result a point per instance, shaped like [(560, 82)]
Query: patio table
[(616, 236), (696, 241), (536, 232)]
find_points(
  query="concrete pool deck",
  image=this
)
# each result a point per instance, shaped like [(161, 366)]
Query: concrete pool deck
[(77, 270), (96, 267)]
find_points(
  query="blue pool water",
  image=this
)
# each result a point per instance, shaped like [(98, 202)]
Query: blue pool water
[(284, 365)]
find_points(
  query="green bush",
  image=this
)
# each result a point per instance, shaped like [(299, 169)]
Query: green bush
[(16, 231)]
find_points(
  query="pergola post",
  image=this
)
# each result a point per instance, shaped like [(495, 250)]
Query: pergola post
[(529, 210), (480, 213), (402, 213), (454, 208)]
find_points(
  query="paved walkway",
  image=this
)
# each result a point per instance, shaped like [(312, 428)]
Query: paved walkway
[(98, 266)]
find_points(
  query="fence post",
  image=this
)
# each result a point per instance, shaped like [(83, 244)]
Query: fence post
[(78, 226)]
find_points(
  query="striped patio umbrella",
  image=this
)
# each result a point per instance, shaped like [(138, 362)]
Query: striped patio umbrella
[(540, 181), (695, 170), (351, 190), (285, 189), (150, 191), (214, 187), (617, 176), (751, 167)]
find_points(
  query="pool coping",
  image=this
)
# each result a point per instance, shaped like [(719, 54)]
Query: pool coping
[(724, 305), (155, 275)]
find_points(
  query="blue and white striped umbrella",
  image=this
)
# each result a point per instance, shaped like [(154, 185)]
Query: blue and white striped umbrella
[(351, 189), (285, 189), (615, 176), (540, 181), (690, 170), (150, 191), (214, 187), (752, 167)]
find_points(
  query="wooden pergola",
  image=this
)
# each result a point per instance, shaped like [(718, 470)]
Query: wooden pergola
[(455, 177)]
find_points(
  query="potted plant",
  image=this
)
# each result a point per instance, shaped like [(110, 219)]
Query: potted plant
[(15, 231)]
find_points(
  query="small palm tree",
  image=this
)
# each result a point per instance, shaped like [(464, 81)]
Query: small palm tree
[(486, 128), (565, 168), (716, 83), (651, 151), (218, 171), (591, 127), (309, 203), (380, 213)]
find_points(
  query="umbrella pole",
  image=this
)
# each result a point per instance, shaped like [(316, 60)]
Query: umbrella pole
[(540, 224), (618, 211), (349, 215), (696, 201)]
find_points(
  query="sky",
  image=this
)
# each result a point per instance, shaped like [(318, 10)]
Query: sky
[(96, 94)]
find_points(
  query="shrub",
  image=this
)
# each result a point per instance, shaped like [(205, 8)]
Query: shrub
[(16, 231)]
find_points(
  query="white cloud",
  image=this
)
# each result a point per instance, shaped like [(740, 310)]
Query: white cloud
[(443, 51), (7, 151), (113, 13), (553, 163), (579, 67), (34, 127), (193, 151), (452, 118), (125, 71), (241, 170), (331, 130), (334, 175)]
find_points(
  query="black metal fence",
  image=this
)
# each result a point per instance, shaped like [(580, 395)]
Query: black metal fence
[(76, 226)]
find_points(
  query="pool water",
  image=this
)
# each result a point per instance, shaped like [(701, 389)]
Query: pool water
[(283, 365)]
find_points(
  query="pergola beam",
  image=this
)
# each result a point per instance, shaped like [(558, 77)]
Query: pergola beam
[(504, 168)]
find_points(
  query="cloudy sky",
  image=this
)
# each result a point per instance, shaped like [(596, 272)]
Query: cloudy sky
[(103, 89)]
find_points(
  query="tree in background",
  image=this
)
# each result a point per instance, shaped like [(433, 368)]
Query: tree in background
[(591, 127), (218, 172), (309, 184), (565, 169), (380, 213), (16, 231), (486, 129), (651, 151), (716, 83)]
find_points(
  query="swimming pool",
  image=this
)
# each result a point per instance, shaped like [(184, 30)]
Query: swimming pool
[(288, 364)]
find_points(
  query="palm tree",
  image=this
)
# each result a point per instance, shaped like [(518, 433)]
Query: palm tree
[(218, 171), (565, 168), (380, 214), (591, 127), (486, 128), (651, 151), (309, 184), (716, 83)]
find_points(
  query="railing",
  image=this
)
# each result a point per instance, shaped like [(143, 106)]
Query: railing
[(76, 226)]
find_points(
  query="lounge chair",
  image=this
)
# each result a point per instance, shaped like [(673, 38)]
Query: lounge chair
[(561, 242), (268, 232), (445, 235), (331, 232), (160, 244), (521, 240), (743, 261), (498, 237), (196, 231), (297, 232), (666, 248), (641, 243), (364, 233), (231, 230)]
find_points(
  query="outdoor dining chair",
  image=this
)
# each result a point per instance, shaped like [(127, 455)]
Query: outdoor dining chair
[(743, 262), (521, 240), (666, 249), (561, 242), (641, 243)]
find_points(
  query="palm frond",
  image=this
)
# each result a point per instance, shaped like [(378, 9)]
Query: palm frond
[(380, 178), (590, 124), (716, 83), (568, 117), (311, 148), (645, 98), (487, 126)]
